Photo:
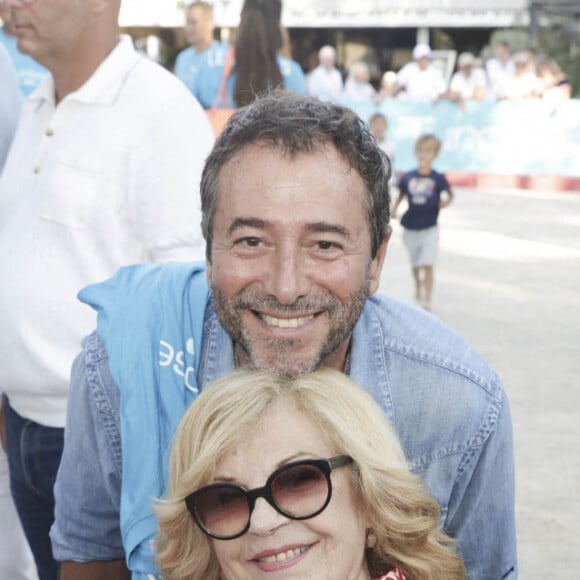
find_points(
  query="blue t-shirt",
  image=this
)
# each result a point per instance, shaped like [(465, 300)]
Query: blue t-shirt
[(189, 61), (29, 72), (423, 195), (210, 76)]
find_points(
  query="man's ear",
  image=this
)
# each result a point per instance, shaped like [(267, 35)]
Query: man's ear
[(376, 266)]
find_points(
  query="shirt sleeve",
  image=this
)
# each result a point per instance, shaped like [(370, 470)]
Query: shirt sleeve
[(88, 484), (481, 510), (164, 190)]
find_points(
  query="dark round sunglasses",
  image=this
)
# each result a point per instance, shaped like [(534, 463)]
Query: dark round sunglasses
[(299, 490)]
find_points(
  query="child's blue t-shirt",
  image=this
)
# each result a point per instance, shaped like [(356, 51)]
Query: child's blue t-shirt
[(423, 194)]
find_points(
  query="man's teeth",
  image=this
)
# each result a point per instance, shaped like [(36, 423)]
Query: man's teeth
[(284, 555), (286, 322)]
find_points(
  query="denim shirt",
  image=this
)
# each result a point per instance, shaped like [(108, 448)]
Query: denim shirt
[(447, 405)]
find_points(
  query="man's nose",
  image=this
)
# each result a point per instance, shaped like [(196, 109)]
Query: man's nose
[(288, 278)]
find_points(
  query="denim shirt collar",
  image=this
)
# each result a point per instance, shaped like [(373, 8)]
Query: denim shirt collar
[(368, 366), (217, 357), (367, 360)]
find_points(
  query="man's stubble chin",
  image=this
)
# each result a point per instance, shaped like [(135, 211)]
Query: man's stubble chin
[(290, 356), (280, 355)]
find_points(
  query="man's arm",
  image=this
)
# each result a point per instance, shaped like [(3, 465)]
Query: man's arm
[(481, 511), (88, 484), (164, 199), (112, 570)]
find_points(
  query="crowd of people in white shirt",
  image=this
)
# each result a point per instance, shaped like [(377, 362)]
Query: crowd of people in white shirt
[(522, 75)]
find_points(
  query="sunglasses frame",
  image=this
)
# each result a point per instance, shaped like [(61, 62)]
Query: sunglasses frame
[(326, 466)]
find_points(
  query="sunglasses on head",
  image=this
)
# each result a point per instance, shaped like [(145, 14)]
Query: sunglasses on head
[(299, 490)]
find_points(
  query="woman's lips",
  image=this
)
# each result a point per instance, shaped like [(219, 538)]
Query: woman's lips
[(274, 560), (282, 556)]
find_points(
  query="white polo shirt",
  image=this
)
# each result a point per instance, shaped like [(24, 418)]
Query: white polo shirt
[(108, 177)]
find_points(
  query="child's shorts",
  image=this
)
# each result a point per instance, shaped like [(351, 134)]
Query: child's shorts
[(422, 246)]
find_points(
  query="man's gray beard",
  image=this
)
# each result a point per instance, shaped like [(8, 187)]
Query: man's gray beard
[(342, 321)]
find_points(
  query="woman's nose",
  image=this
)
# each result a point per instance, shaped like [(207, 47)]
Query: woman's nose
[(265, 518)]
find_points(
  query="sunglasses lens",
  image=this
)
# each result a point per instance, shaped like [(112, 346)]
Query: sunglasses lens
[(301, 491), (222, 510)]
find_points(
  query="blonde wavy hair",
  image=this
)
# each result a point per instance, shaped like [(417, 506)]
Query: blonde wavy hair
[(404, 517)]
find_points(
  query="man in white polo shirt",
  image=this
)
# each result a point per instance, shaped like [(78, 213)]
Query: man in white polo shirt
[(103, 171)]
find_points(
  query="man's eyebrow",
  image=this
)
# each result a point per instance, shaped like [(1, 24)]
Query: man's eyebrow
[(242, 222), (325, 227), (316, 227)]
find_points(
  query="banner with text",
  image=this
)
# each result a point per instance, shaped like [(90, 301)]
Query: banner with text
[(528, 137)]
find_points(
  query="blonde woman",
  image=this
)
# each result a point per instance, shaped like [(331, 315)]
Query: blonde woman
[(275, 477)]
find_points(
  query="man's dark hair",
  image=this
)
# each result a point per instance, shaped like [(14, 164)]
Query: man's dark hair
[(295, 125)]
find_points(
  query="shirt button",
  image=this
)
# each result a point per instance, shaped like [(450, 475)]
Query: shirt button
[(36, 169), (49, 132)]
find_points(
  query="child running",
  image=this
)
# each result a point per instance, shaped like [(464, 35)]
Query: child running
[(427, 191)]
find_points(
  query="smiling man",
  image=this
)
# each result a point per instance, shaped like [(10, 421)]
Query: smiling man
[(289, 291), (295, 208)]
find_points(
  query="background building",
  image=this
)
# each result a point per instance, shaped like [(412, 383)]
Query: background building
[(382, 32)]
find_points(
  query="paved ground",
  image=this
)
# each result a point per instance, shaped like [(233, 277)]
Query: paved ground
[(508, 279)]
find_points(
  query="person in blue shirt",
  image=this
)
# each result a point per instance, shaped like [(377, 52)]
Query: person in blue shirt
[(427, 191), (295, 213), (29, 72), (204, 49), (258, 65)]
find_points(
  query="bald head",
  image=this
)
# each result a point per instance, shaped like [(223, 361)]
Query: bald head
[(327, 56)]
